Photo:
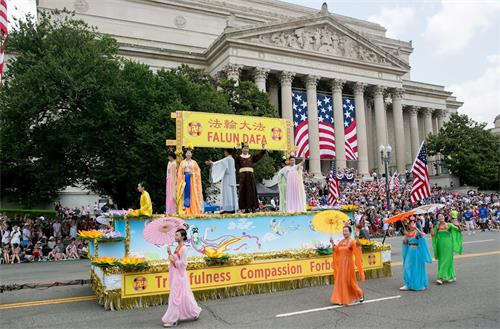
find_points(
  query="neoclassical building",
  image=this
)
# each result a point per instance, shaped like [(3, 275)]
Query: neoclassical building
[(285, 47)]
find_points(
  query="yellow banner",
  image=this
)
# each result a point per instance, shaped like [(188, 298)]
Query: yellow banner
[(217, 130), (144, 284)]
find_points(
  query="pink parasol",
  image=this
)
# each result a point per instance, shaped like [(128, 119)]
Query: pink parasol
[(161, 231)]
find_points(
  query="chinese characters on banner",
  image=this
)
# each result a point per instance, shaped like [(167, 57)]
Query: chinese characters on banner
[(216, 130)]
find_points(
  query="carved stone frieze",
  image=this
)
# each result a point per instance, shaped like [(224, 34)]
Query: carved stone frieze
[(323, 39)]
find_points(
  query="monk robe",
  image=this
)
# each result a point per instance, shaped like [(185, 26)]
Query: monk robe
[(146, 206), (248, 187), (345, 286), (189, 193)]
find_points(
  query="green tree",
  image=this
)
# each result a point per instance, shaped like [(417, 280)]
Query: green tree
[(469, 151), (61, 74), (138, 123), (73, 112)]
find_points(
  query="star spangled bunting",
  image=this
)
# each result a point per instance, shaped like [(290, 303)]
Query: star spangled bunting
[(300, 124), (421, 187), (350, 131), (326, 131)]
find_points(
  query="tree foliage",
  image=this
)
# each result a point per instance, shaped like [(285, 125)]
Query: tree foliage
[(469, 151), (60, 76), (73, 112)]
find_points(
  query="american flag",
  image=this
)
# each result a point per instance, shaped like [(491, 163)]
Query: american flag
[(326, 131), (421, 187), (395, 183), (3, 32), (333, 186), (351, 137), (381, 186), (300, 124)]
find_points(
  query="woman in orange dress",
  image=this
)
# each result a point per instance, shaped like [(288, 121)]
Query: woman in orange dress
[(346, 254)]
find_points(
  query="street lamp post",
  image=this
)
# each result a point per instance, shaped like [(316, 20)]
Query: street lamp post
[(385, 157)]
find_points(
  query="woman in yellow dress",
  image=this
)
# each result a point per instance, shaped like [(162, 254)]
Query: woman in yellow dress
[(189, 193)]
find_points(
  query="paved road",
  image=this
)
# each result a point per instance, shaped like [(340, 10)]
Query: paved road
[(473, 301)]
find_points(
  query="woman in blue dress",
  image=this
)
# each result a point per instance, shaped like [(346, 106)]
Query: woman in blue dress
[(415, 255)]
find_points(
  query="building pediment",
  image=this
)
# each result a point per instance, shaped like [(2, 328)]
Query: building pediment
[(319, 34)]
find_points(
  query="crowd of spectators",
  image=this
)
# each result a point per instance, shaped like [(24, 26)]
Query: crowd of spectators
[(470, 211), (27, 239)]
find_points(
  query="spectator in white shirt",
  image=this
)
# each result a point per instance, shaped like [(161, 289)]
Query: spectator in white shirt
[(15, 236), (57, 229), (73, 229), (6, 236)]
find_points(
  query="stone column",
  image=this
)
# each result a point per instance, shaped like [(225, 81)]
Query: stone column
[(428, 131), (260, 76), (440, 117), (273, 93), (414, 131), (312, 114), (359, 101), (380, 123), (286, 79), (233, 72), (338, 116), (428, 121), (397, 112)]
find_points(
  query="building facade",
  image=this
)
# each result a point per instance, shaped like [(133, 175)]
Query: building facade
[(284, 47)]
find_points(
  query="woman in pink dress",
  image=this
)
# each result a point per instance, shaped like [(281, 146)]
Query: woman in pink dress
[(181, 302), (170, 199), (291, 187)]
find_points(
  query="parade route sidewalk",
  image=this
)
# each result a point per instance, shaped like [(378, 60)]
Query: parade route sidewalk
[(44, 272)]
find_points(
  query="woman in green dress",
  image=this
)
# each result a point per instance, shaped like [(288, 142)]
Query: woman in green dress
[(446, 240)]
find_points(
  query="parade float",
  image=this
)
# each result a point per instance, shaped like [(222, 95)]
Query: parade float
[(229, 254)]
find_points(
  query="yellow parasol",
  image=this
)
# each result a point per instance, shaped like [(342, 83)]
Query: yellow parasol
[(329, 221)]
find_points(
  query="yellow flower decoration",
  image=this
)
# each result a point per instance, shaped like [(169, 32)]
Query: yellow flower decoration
[(104, 260), (190, 146), (349, 208), (132, 261), (365, 242), (92, 234)]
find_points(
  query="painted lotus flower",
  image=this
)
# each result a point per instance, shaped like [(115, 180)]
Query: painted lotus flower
[(322, 245)]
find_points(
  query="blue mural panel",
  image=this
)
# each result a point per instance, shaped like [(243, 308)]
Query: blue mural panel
[(212, 237)]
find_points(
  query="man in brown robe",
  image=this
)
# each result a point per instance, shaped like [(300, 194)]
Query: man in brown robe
[(247, 199)]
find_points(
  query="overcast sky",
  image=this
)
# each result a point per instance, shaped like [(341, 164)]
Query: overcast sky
[(457, 42)]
